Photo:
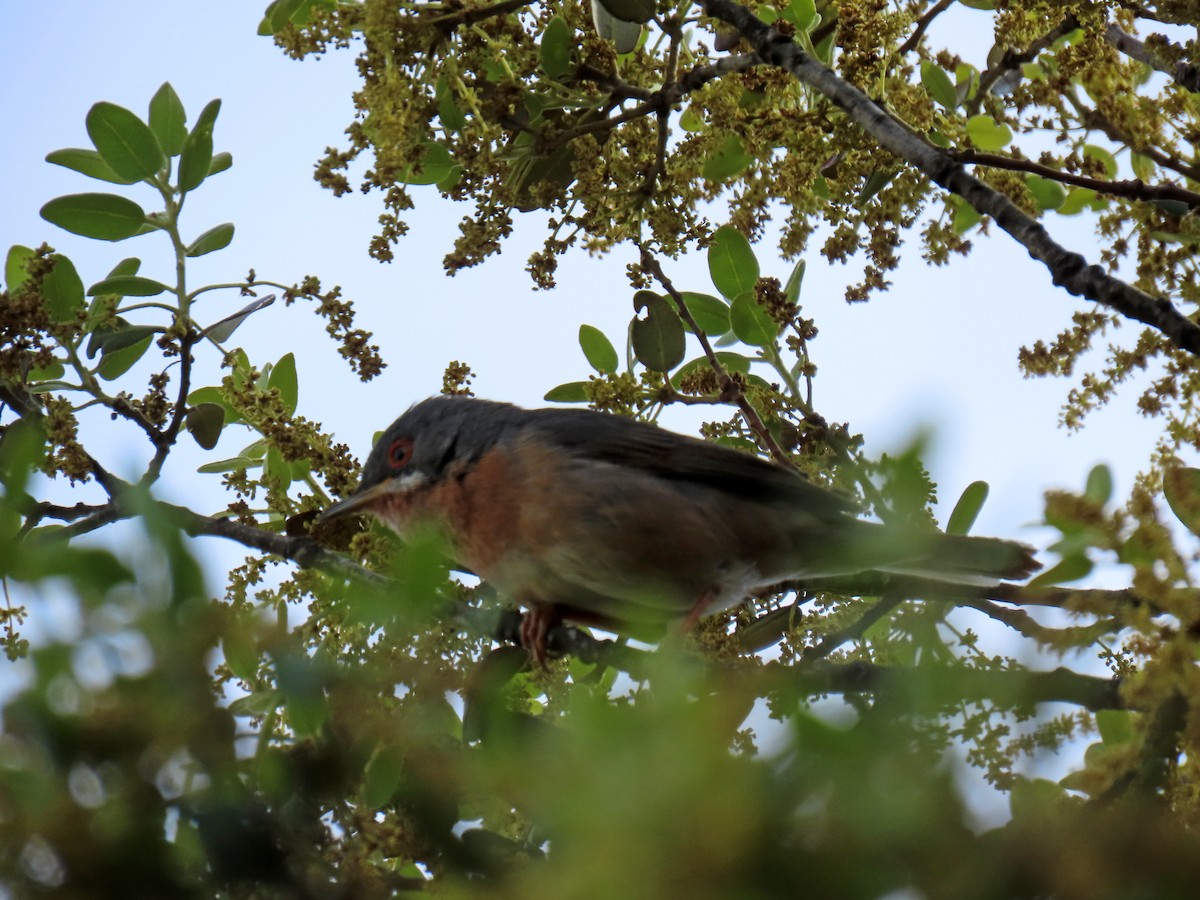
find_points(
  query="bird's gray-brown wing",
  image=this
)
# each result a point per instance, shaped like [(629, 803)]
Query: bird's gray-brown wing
[(627, 442)]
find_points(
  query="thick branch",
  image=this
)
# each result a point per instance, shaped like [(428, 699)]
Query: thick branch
[(1068, 269)]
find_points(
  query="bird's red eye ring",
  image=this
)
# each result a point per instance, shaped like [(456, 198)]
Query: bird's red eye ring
[(400, 453)]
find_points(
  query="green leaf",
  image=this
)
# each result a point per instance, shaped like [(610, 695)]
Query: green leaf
[(128, 286), (63, 290), (220, 162), (280, 13), (1047, 193), (658, 339), (86, 162), (692, 119), (1099, 484), (711, 313), (1181, 487), (1106, 159), (434, 164), (598, 349), (229, 465), (276, 467), (966, 81), (727, 160), (803, 14), (751, 322), (1143, 166), (1115, 726), (731, 262), (124, 141), (966, 216), (116, 334), (114, 365), (1071, 567), (987, 134), (196, 158), (571, 392), (733, 362), (283, 379), (221, 331), (938, 85), (791, 291), (205, 423), (876, 182), (18, 258), (966, 510), (168, 119), (1077, 199), (105, 217), (216, 238), (640, 11), (382, 777), (556, 47)]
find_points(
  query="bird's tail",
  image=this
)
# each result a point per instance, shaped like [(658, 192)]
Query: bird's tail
[(970, 559), (855, 546)]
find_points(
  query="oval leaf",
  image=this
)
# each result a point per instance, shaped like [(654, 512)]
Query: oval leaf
[(571, 392), (216, 238), (1047, 192), (196, 159), (987, 134), (1099, 484), (87, 162), (727, 160), (731, 262), (556, 47), (751, 322), (114, 365), (124, 141), (168, 120), (283, 379), (15, 273), (711, 313), (434, 165), (220, 162), (1181, 487), (105, 217), (598, 349), (640, 11), (229, 465), (128, 286), (63, 290), (966, 510), (791, 290), (938, 84), (658, 339), (205, 423)]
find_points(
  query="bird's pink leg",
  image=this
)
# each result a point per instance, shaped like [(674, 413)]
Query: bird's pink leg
[(535, 627), (706, 600)]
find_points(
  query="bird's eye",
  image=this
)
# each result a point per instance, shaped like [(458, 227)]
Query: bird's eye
[(400, 452)]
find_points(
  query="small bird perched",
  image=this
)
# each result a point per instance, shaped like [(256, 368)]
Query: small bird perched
[(613, 522)]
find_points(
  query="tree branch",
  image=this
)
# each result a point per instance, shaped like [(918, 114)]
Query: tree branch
[(1185, 74), (1130, 190), (1068, 270)]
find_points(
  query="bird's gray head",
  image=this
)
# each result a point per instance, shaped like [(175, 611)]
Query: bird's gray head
[(421, 445)]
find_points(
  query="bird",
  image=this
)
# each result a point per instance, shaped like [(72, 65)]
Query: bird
[(605, 520)]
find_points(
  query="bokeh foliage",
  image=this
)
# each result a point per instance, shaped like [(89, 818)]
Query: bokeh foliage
[(340, 722)]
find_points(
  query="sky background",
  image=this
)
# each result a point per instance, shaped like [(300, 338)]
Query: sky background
[(938, 351)]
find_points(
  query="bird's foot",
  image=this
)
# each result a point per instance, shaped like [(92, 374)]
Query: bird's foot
[(535, 629)]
